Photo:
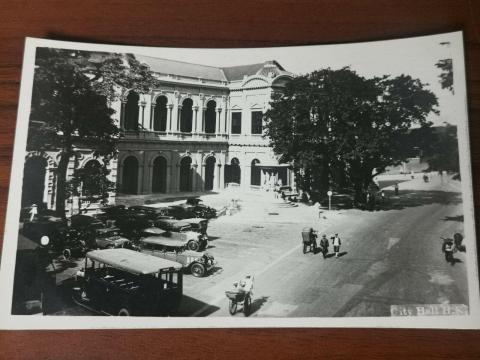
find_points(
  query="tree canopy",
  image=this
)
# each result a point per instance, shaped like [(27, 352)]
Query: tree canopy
[(339, 129), (71, 97)]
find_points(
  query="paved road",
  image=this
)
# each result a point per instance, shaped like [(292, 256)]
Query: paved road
[(390, 256)]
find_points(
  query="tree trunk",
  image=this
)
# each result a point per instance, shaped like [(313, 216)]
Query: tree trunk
[(62, 181)]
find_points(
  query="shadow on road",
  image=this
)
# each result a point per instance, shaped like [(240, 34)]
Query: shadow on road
[(191, 306), (257, 304)]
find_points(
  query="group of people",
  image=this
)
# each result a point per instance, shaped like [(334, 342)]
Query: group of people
[(324, 244)]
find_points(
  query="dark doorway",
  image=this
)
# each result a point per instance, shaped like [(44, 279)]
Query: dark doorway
[(131, 111), (186, 116), (255, 173), (159, 175), (160, 114), (233, 172), (34, 181), (209, 173), (130, 175), (210, 116), (186, 174)]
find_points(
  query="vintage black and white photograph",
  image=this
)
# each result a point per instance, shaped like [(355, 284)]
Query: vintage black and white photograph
[(300, 184)]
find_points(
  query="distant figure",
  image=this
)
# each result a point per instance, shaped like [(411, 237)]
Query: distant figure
[(396, 189), (324, 246), (33, 212), (336, 244), (382, 195), (448, 248)]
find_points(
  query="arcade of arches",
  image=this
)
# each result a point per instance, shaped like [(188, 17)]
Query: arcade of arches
[(190, 174)]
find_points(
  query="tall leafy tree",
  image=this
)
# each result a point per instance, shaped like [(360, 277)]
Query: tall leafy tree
[(339, 129), (72, 93)]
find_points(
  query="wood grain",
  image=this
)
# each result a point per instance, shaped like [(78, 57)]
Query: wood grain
[(213, 23)]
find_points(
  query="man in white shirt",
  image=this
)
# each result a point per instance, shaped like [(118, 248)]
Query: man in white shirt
[(336, 244)]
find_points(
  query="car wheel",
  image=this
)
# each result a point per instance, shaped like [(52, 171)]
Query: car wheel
[(193, 245), (247, 305), (124, 312), (232, 307), (67, 254), (197, 270)]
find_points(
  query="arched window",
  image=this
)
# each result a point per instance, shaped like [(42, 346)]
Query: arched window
[(209, 173), (130, 175), (131, 111), (186, 116), (160, 115), (255, 173), (186, 174), (210, 117), (159, 175)]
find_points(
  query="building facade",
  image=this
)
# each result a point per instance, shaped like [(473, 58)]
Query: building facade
[(200, 130)]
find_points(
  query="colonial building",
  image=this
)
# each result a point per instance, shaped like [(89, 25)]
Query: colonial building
[(200, 130)]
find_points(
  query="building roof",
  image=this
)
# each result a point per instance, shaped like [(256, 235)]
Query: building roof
[(174, 67), (232, 73), (238, 72)]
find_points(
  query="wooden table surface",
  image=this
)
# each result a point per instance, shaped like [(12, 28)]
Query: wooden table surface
[(213, 23)]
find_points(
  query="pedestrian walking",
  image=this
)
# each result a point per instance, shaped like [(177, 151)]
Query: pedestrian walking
[(336, 244), (382, 194), (324, 245), (33, 212), (396, 189)]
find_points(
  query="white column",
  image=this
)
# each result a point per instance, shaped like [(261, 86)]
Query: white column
[(169, 117), (152, 117), (202, 176), (195, 120), (221, 179)]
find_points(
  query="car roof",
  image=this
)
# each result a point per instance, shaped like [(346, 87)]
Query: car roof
[(194, 220), (160, 240), (175, 221), (132, 261)]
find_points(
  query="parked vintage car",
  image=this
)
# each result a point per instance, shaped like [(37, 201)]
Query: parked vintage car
[(53, 227), (131, 224), (85, 223), (150, 212), (201, 210), (74, 244), (105, 238), (129, 283), (194, 224), (179, 212), (198, 224), (197, 263), (191, 239)]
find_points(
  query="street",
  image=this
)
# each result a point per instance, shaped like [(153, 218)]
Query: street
[(389, 256)]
